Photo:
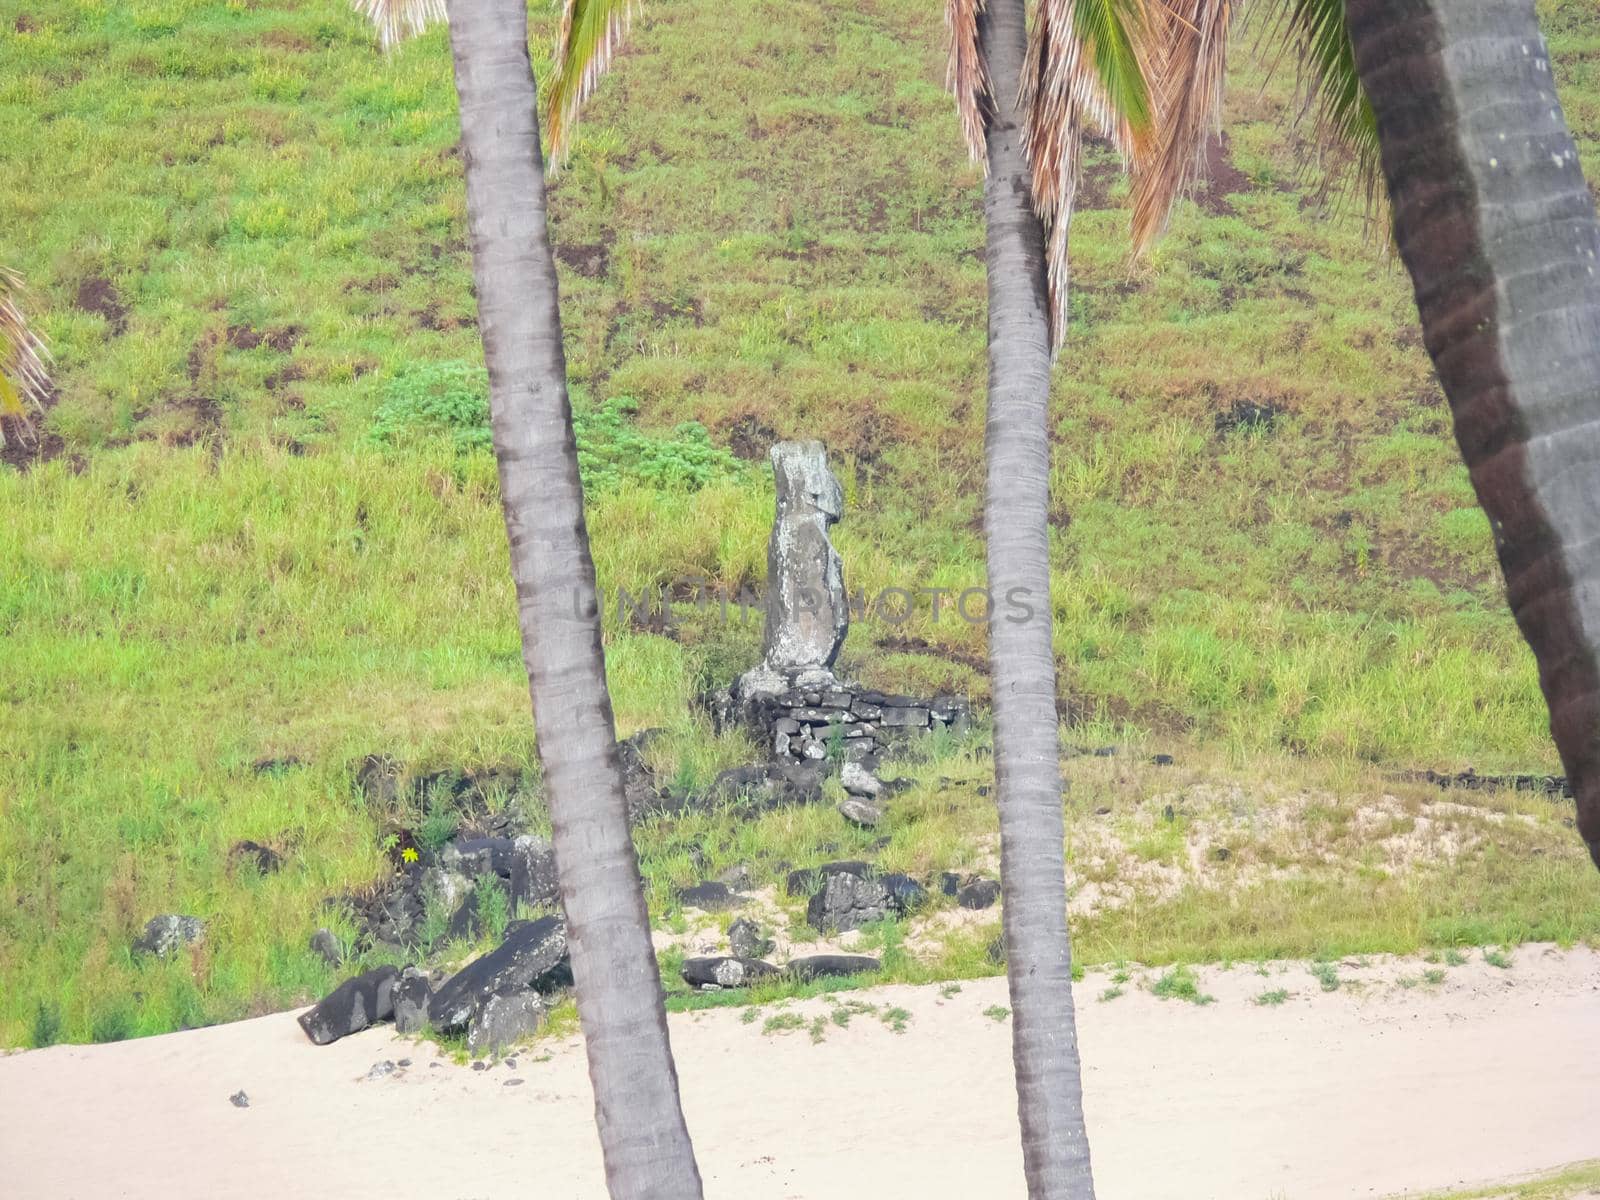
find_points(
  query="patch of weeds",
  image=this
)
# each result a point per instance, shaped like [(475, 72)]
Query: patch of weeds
[(494, 907), (1273, 998), (438, 827), (1497, 958), (1407, 982), (114, 1025), (997, 1012), (1180, 983), (1111, 993), (783, 1022), (846, 1009), (46, 1026), (750, 1015), (1433, 976), (819, 1028), (950, 989), (1327, 974), (435, 921), (1454, 958), (896, 1019)]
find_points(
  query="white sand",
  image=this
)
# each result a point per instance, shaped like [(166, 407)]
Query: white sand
[(1369, 1093)]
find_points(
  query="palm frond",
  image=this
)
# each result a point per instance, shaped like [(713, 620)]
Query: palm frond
[(966, 76), (1189, 64), (24, 379), (396, 20), (1315, 32), (1087, 65), (590, 33)]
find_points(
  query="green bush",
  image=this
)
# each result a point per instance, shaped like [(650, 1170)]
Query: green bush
[(451, 399)]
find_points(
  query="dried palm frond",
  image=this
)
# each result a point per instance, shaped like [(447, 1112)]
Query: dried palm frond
[(396, 20), (1343, 123), (1086, 66), (966, 76), (24, 380), (591, 31), (1189, 60)]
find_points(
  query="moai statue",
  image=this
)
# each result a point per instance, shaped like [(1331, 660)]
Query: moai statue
[(807, 610)]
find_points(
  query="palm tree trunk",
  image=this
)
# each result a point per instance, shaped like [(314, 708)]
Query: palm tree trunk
[(642, 1131), (1055, 1145), (1497, 228)]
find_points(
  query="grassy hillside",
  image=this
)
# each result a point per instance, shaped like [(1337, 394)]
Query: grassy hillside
[(262, 529)]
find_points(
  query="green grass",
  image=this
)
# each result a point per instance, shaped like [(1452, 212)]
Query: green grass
[(1180, 983), (1272, 998), (1581, 1179), (270, 530)]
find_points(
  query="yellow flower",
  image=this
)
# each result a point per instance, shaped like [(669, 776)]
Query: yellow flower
[(409, 854)]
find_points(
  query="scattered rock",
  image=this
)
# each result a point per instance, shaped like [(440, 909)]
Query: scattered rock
[(847, 901), (472, 857), (379, 780), (447, 889), (512, 1083), (817, 965), (381, 1069), (859, 812), (503, 1019), (908, 717), (746, 940), (534, 879), (1247, 415), (253, 855), (352, 1006), (708, 897), (736, 877), (979, 894), (807, 880), (725, 972), (905, 893), (326, 945), (531, 953), (1162, 760), (638, 780), (168, 933), (239, 1099), (859, 781), (411, 996)]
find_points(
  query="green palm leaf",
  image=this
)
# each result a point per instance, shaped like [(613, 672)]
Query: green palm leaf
[(591, 31), (1087, 65), (1315, 32)]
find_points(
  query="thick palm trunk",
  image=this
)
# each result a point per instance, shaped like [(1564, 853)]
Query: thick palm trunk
[(642, 1132), (1498, 230), (1027, 752)]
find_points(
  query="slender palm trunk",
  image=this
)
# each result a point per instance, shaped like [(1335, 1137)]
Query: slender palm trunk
[(1498, 231), (642, 1132), (1055, 1146)]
